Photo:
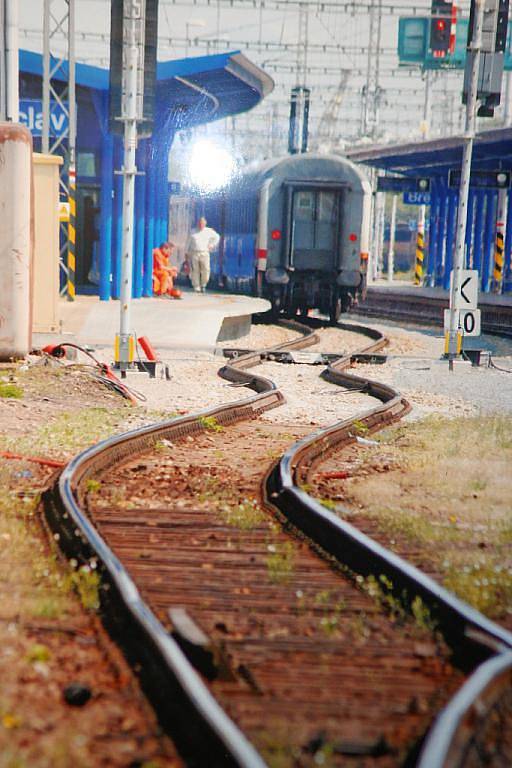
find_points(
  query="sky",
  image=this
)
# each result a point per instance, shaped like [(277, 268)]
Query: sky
[(337, 50)]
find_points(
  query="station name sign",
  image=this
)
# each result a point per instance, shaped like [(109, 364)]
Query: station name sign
[(31, 115), (404, 184), (482, 179)]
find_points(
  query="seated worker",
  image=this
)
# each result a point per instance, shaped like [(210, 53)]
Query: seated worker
[(163, 272)]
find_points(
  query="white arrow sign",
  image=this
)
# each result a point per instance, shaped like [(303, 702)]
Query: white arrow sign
[(467, 296)]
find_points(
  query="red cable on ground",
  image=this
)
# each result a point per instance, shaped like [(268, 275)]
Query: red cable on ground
[(57, 350), (35, 459)]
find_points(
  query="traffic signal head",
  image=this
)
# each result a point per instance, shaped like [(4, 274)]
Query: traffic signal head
[(441, 27)]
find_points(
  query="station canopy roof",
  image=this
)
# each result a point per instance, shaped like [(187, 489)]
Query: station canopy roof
[(191, 91), (492, 150)]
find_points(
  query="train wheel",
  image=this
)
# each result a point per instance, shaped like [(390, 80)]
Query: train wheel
[(335, 310), (276, 307)]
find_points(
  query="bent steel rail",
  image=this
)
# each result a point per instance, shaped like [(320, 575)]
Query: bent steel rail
[(202, 731), (453, 739)]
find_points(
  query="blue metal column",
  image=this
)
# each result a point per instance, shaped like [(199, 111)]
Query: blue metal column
[(432, 236), (489, 231), (507, 267), (479, 229), (441, 236), (451, 225), (149, 243), (107, 168), (162, 189)]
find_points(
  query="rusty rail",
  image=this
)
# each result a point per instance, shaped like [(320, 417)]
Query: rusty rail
[(203, 732)]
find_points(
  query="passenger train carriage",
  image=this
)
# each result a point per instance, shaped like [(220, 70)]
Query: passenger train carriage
[(296, 231)]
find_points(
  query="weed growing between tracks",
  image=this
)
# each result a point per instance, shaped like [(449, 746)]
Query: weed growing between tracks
[(47, 640), (442, 489)]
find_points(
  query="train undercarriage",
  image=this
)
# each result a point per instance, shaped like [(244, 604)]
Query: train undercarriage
[(311, 291)]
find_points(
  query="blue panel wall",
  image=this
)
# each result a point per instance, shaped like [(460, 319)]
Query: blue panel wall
[(480, 235), (478, 230)]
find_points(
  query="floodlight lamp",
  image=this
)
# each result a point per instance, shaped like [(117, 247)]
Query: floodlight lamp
[(211, 166)]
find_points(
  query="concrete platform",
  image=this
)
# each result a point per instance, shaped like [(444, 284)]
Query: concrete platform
[(408, 289), (196, 321)]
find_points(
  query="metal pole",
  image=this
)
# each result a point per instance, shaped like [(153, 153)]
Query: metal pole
[(422, 212), (45, 139), (499, 247), (427, 106), (392, 232), (420, 246), (462, 214), (382, 225), (507, 117), (129, 172), (11, 60)]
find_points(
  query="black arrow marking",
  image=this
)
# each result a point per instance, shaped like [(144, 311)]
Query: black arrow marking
[(466, 281)]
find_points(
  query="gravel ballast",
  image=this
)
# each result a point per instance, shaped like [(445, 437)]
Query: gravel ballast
[(414, 367)]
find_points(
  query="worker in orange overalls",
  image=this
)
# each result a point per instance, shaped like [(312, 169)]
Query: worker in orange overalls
[(163, 272)]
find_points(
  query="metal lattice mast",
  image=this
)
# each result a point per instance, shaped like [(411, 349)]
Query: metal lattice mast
[(302, 45), (371, 90), (59, 92), (326, 134)]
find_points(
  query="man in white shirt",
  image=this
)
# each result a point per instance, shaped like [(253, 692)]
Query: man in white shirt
[(200, 244)]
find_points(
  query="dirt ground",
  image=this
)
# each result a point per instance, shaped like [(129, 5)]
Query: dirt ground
[(437, 491), (50, 636)]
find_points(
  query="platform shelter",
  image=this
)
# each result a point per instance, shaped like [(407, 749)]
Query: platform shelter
[(435, 159), (189, 92)]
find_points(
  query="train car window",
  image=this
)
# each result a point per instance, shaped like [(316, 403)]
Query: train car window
[(326, 217), (303, 220), (305, 201), (326, 209)]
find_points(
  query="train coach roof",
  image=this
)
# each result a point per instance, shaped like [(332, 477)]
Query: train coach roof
[(298, 167)]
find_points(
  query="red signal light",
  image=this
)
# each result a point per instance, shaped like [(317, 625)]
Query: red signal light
[(276, 234), (441, 25), (352, 237)]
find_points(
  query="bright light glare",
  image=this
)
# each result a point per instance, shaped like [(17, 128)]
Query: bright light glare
[(210, 166)]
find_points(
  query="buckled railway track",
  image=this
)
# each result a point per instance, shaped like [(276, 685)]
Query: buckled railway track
[(250, 646)]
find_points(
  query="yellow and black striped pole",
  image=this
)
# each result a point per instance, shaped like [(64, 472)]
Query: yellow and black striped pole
[(499, 261), (420, 247), (499, 248), (71, 233)]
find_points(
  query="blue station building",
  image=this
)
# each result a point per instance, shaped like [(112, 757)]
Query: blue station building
[(189, 92), (435, 159)]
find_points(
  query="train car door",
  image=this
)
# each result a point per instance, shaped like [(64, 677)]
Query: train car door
[(314, 228)]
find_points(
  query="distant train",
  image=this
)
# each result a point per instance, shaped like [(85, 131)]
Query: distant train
[(294, 230)]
